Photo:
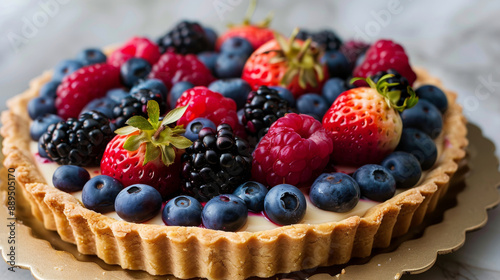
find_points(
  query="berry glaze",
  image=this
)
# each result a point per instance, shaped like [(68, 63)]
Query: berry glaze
[(256, 221)]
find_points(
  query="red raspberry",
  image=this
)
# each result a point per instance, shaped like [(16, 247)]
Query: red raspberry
[(127, 168), (205, 103), (135, 47), (84, 85), (382, 56), (172, 68), (296, 149)]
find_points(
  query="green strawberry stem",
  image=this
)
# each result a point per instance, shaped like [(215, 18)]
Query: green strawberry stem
[(391, 97), (303, 60), (248, 17), (160, 139)]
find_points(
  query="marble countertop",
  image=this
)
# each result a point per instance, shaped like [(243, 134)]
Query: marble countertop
[(455, 40)]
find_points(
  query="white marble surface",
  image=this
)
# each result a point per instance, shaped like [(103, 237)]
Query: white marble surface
[(455, 40)]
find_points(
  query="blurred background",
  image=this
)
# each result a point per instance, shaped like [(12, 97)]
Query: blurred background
[(456, 40)]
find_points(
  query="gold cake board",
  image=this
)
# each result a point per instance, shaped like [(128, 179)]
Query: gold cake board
[(464, 208)]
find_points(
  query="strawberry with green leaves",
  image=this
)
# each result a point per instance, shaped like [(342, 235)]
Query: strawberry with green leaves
[(147, 151), (365, 122), (289, 63)]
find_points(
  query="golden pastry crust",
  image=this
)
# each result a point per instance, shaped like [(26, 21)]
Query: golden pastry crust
[(188, 252)]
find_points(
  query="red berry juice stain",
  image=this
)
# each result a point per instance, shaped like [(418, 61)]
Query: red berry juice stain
[(42, 159)]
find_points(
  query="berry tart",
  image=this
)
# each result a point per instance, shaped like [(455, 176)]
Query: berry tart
[(247, 154)]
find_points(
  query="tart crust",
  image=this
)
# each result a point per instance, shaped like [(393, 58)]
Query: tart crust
[(188, 252)]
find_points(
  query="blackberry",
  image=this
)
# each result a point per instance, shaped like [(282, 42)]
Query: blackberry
[(326, 39), (216, 163), (402, 86), (262, 109), (186, 37), (78, 141), (136, 105)]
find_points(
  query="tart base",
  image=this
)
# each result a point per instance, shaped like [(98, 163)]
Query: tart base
[(195, 252)]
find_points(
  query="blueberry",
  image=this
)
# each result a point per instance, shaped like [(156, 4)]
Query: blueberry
[(39, 125), (404, 167), (208, 58), (117, 94), (100, 192), (285, 204), (332, 89), (253, 194), (138, 203), (225, 212), (70, 178), (312, 104), (49, 89), (434, 95), (360, 59), (64, 68), (285, 94), (424, 116), (40, 106), (335, 192), (182, 211), (134, 70), (237, 46), (337, 64), (235, 88), (420, 145), (103, 105), (229, 65), (211, 36), (375, 182), (154, 85), (91, 56), (194, 127), (176, 92)]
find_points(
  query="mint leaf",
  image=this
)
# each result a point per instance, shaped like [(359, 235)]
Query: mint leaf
[(126, 130), (140, 123), (174, 115), (152, 153), (133, 142), (154, 113)]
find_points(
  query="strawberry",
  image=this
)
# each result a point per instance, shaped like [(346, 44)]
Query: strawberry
[(204, 103), (365, 122), (257, 34), (135, 47), (292, 63), (172, 68), (83, 86), (148, 151), (382, 56)]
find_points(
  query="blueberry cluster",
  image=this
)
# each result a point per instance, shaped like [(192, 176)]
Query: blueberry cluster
[(216, 163)]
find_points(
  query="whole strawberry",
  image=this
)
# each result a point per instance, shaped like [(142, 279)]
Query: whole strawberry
[(365, 122), (382, 56), (291, 63), (83, 86), (172, 68), (135, 47), (296, 149), (204, 103), (257, 34), (148, 151)]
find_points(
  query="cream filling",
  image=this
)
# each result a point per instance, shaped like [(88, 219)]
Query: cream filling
[(255, 223)]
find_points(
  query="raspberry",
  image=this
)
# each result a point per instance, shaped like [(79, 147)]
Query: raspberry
[(135, 47), (84, 85), (382, 56), (205, 103), (172, 68), (295, 150)]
